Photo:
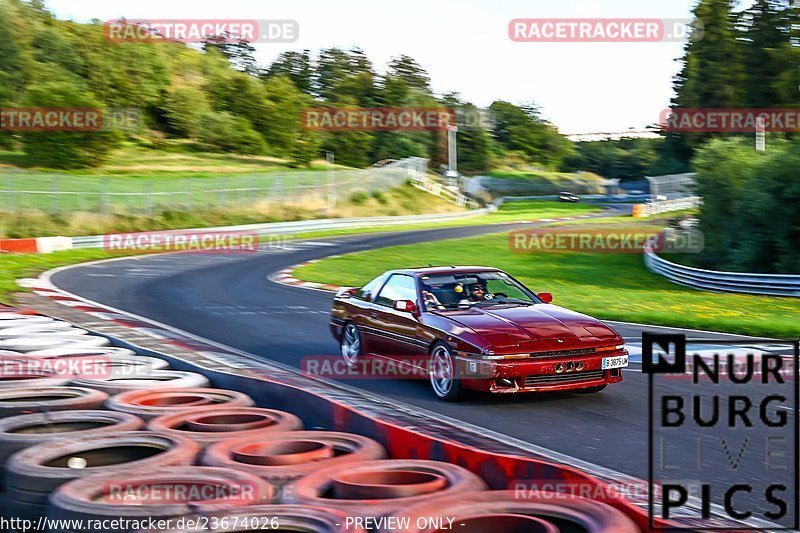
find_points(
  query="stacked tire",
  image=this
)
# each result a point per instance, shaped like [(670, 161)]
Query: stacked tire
[(82, 446)]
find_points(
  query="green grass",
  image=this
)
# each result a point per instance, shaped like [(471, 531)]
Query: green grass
[(13, 267), (509, 212), (176, 160), (604, 285), (403, 200), (138, 179)]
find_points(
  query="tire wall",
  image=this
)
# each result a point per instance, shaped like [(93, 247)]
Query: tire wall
[(318, 412)]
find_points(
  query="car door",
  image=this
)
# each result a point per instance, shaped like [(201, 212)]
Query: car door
[(396, 332), (361, 307)]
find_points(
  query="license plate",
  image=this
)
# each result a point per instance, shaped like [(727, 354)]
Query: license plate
[(615, 362)]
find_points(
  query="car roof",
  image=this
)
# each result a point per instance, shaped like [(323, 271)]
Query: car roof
[(452, 269)]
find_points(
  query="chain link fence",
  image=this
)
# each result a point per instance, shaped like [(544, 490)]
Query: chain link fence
[(60, 193)]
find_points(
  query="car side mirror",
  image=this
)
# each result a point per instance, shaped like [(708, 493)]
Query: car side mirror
[(545, 297), (347, 292), (407, 306)]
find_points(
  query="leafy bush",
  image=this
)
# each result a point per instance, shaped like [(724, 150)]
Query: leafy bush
[(359, 198), (66, 149), (226, 133), (749, 212)]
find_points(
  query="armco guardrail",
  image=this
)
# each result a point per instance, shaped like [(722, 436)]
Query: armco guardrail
[(711, 280), (305, 226)]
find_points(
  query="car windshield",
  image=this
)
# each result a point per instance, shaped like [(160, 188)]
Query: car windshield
[(454, 291)]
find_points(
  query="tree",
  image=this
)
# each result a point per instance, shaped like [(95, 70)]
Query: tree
[(712, 74), (66, 149), (296, 66), (408, 70), (522, 129), (184, 106), (239, 52), (224, 132)]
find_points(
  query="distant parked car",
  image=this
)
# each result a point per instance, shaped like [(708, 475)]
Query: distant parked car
[(568, 197)]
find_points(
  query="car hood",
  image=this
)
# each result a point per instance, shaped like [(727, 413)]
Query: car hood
[(533, 327)]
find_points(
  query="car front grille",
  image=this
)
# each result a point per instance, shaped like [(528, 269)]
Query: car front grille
[(547, 379), (563, 353)]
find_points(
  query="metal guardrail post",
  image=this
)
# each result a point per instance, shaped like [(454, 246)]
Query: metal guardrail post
[(104, 197)]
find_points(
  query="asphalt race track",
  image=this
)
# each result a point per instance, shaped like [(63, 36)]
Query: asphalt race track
[(229, 299)]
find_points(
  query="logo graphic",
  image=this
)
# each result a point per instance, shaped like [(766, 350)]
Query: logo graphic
[(723, 440)]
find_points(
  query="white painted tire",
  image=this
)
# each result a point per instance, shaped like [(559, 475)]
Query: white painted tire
[(30, 321), (35, 343), (88, 352), (151, 380), (43, 330)]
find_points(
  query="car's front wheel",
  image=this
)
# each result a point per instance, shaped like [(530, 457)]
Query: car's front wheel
[(350, 344), (443, 373)]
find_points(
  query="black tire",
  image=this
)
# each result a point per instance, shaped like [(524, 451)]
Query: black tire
[(89, 499), (591, 390), (447, 389), (31, 469), (32, 400), (18, 433)]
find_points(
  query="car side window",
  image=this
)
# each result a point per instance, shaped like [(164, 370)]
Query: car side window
[(399, 287), (365, 292)]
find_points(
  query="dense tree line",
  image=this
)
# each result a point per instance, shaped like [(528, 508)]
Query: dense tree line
[(744, 59), (220, 98)]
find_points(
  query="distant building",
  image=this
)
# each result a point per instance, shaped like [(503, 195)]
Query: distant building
[(647, 133)]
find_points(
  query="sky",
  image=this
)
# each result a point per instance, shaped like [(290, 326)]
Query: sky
[(465, 47)]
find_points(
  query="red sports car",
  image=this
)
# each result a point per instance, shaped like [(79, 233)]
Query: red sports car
[(476, 328)]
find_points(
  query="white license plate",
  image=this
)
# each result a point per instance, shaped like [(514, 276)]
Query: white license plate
[(615, 362)]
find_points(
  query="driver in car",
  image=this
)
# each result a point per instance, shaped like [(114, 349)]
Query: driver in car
[(477, 293)]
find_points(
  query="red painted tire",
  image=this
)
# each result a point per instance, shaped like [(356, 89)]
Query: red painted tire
[(483, 511), (33, 473), (288, 456), (149, 404), (261, 517), (381, 487), (164, 493), (35, 399), (22, 431), (154, 379), (222, 423)]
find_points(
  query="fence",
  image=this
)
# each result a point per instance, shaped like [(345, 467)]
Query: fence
[(711, 280), (21, 190), (663, 206)]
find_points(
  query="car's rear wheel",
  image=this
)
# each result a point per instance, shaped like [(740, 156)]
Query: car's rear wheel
[(590, 390), (350, 344), (443, 373)]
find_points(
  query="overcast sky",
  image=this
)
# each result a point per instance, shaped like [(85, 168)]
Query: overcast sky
[(464, 45)]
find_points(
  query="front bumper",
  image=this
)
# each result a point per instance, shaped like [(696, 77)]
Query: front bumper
[(537, 375)]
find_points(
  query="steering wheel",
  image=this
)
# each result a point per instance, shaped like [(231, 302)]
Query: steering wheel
[(500, 295)]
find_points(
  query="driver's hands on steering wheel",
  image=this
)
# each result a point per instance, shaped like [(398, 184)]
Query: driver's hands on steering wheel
[(430, 299)]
